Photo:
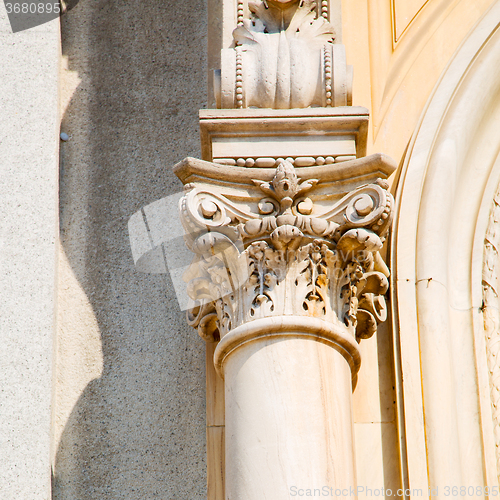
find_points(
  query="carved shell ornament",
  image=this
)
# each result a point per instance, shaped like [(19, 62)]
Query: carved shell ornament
[(283, 254), (295, 18)]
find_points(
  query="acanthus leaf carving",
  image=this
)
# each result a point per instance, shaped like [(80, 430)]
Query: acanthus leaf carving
[(253, 265), (285, 186)]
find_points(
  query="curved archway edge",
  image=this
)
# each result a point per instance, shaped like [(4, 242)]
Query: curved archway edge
[(449, 177)]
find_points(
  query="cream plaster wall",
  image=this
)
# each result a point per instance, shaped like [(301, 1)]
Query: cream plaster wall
[(399, 50), (403, 13), (375, 418), (447, 186)]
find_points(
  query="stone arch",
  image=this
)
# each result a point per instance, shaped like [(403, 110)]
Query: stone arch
[(448, 181)]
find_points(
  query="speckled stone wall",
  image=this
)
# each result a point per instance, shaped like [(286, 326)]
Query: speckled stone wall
[(29, 129), (129, 420)]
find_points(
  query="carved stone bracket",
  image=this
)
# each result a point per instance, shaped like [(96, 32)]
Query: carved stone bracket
[(286, 245), (283, 56)]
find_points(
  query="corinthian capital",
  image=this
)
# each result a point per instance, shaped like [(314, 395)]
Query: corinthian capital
[(300, 242)]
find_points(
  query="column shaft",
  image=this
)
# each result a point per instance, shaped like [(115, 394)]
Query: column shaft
[(288, 418)]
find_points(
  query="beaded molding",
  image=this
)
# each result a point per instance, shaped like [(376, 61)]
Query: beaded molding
[(240, 13), (239, 77), (239, 59), (324, 9), (299, 161), (328, 73)]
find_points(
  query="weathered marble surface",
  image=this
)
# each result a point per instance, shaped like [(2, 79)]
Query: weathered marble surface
[(288, 418)]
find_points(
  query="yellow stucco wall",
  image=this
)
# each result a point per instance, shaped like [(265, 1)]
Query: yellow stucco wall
[(399, 49)]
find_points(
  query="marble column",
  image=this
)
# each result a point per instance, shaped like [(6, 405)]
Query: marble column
[(288, 407), (285, 217), (288, 276)]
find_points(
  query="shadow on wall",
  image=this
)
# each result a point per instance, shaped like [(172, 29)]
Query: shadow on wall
[(138, 431)]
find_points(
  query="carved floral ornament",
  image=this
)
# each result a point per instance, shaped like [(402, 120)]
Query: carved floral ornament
[(491, 316), (282, 248)]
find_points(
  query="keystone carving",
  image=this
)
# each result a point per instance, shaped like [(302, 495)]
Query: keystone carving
[(289, 251)]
